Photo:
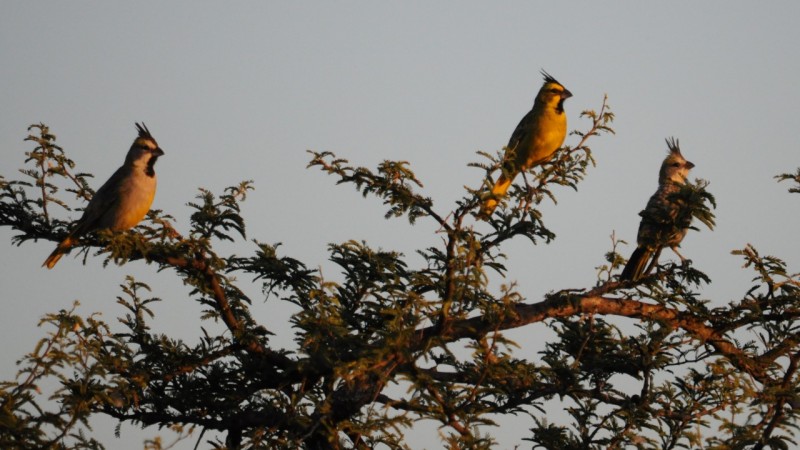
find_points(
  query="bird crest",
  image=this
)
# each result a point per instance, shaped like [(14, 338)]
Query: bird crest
[(143, 131), (145, 139), (673, 146), (549, 78)]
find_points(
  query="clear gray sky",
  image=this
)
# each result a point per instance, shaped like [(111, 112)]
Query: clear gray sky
[(236, 91)]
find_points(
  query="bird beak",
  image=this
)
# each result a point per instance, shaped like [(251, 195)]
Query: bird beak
[(566, 94), (158, 151), (689, 164)]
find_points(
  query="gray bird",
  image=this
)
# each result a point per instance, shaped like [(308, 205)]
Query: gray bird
[(664, 220), (124, 200)]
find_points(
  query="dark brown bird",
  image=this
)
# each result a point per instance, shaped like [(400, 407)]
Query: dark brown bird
[(663, 224)]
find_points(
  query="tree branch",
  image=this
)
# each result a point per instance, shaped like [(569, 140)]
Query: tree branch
[(573, 305)]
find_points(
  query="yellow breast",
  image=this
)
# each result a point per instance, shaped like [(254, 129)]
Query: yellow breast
[(549, 135)]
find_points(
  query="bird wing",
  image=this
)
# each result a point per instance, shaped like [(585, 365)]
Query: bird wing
[(521, 132), (662, 219), (105, 199)]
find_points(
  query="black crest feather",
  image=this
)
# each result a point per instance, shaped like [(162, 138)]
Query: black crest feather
[(143, 131), (549, 78), (673, 146)]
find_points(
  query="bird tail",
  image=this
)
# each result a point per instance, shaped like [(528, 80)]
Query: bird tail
[(637, 264), (500, 188), (62, 249)]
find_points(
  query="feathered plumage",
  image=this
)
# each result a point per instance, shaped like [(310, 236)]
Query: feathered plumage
[(123, 200), (537, 137), (664, 222)]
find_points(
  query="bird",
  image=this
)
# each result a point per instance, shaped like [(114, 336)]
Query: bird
[(123, 200), (537, 137), (665, 219)]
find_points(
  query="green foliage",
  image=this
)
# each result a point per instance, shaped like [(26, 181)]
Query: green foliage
[(392, 343), (63, 363), (697, 200)]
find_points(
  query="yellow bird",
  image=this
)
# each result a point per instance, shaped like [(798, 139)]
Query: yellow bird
[(537, 137), (124, 200)]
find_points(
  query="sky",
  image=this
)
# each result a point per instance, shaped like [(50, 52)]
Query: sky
[(241, 91)]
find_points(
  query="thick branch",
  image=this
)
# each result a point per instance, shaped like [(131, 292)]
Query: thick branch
[(224, 308), (566, 306), (244, 419), (253, 347)]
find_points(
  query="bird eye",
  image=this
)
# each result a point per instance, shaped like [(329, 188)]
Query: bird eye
[(676, 164)]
